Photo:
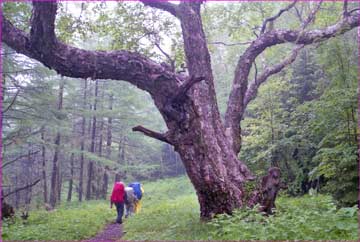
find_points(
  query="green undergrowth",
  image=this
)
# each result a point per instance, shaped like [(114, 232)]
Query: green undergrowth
[(305, 218), (170, 211), (70, 221)]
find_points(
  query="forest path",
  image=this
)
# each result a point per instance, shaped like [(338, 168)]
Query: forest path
[(111, 232)]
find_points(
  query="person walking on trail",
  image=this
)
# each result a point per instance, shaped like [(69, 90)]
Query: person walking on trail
[(118, 197), (130, 201), (139, 191)]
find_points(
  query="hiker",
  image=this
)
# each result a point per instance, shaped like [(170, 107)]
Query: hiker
[(118, 196), (139, 191), (130, 201)]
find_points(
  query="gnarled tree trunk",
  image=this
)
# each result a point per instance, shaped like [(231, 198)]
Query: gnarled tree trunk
[(195, 127)]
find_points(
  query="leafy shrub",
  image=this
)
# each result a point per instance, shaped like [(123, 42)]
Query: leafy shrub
[(305, 218)]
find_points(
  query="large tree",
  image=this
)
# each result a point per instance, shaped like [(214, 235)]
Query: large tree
[(207, 144)]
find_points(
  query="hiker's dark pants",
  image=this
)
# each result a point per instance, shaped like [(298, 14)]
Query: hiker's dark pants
[(120, 212)]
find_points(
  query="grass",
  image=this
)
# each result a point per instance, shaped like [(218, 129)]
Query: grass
[(170, 211), (71, 221)]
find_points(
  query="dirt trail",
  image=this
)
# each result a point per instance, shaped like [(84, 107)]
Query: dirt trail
[(111, 232)]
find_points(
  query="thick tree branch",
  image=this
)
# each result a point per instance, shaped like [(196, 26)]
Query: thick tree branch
[(255, 84), (163, 5), (236, 108), (152, 134), (43, 46), (21, 188), (273, 18)]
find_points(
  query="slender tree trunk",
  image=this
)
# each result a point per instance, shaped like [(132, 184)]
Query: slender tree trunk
[(27, 167), (354, 124), (90, 177), (90, 121), (71, 177), (60, 179), (54, 173), (17, 194), (92, 147), (109, 127), (101, 128), (90, 166), (123, 150), (119, 152), (96, 186), (105, 183), (55, 167), (28, 197), (82, 146), (43, 157)]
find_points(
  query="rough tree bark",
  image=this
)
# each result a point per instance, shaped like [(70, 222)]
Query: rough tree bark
[(207, 145)]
